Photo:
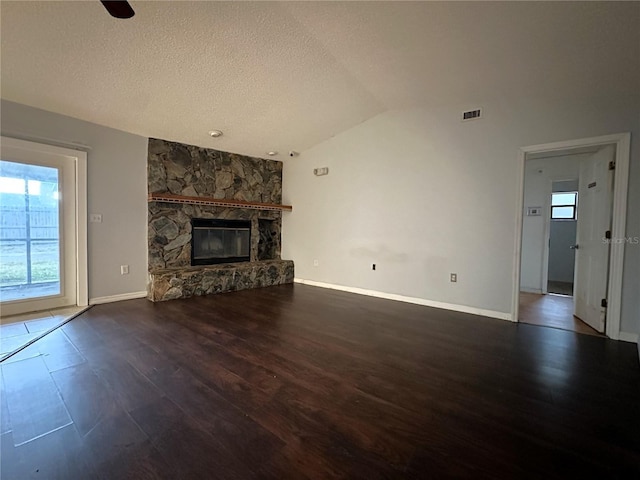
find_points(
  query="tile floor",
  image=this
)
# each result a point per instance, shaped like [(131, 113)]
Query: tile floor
[(18, 330)]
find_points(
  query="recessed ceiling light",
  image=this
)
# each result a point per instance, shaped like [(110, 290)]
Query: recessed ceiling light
[(272, 153), (215, 133)]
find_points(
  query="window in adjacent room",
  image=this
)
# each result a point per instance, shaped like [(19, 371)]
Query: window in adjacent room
[(564, 206)]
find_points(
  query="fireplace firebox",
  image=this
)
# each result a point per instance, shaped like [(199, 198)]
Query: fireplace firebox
[(220, 241)]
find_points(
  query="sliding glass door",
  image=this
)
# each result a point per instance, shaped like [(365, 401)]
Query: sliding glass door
[(38, 269), (29, 231)]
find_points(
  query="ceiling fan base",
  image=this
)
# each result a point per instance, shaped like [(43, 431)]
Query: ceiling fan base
[(118, 8)]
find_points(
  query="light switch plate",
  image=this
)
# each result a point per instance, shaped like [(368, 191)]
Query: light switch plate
[(534, 211)]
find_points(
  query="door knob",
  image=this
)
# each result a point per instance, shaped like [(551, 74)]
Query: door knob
[(574, 247)]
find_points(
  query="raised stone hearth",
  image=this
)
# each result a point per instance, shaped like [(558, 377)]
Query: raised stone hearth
[(194, 172), (172, 283)]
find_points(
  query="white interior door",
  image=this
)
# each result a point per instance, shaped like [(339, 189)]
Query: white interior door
[(592, 253), (38, 241)]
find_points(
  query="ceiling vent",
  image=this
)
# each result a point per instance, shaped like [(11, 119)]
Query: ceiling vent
[(471, 115)]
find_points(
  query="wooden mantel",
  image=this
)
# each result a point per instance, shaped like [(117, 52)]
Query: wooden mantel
[(216, 202)]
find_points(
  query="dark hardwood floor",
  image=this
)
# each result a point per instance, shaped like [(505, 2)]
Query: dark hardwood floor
[(302, 382)]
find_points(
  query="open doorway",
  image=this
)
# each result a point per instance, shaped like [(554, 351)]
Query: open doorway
[(548, 257), (563, 230), (574, 199)]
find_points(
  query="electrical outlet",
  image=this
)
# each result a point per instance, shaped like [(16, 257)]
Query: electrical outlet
[(95, 218), (316, 263), (454, 277), (124, 269)]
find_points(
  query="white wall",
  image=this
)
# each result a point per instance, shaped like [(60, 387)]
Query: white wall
[(539, 176), (562, 235), (422, 194), (117, 188), (562, 259)]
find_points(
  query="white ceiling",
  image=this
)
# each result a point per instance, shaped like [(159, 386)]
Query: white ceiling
[(286, 76)]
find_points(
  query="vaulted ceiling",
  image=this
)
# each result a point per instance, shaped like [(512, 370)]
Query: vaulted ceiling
[(286, 75)]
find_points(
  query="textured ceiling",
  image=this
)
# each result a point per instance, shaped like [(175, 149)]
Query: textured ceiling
[(286, 76)]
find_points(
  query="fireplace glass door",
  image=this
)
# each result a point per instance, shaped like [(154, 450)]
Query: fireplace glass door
[(220, 241)]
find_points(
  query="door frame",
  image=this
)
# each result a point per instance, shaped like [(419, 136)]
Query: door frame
[(79, 160), (622, 141)]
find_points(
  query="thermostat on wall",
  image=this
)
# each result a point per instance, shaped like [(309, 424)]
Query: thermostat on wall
[(320, 171), (534, 211)]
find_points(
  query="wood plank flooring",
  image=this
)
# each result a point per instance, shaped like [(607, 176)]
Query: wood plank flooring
[(554, 311), (306, 383), (561, 288)]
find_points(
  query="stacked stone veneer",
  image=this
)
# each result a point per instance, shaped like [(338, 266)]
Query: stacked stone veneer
[(202, 172), (204, 280)]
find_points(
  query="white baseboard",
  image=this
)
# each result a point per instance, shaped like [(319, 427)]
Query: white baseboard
[(403, 298), (628, 337), (117, 298)]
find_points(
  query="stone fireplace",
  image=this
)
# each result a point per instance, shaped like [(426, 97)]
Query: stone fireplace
[(195, 196)]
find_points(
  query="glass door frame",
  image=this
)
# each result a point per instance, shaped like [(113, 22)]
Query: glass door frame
[(72, 165)]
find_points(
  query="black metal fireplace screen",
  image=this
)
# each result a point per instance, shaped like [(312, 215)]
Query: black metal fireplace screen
[(220, 241)]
